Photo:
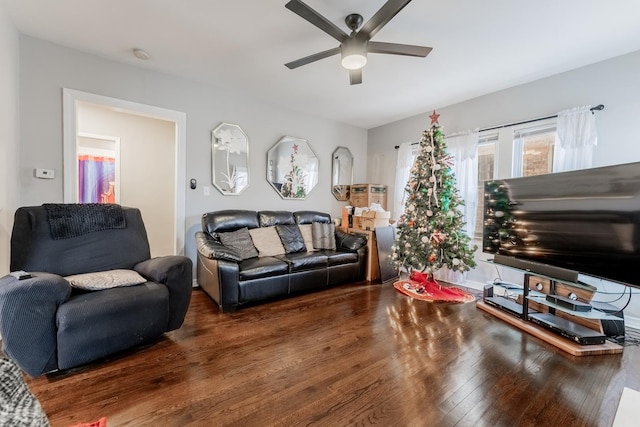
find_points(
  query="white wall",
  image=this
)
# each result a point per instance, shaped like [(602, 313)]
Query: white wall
[(9, 133), (147, 167), (46, 68), (614, 83)]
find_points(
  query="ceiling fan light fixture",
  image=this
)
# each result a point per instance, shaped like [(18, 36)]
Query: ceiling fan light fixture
[(354, 54)]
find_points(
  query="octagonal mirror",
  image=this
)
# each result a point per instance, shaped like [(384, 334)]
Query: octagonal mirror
[(341, 173), (292, 168), (230, 159)]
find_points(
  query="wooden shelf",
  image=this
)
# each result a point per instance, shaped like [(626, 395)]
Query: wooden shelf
[(550, 337)]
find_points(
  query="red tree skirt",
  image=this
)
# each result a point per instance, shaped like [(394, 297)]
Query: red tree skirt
[(419, 286)]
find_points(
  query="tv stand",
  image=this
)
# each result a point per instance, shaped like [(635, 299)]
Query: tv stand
[(578, 333)]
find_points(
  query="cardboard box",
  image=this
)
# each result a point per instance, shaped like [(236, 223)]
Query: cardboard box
[(372, 219), (377, 214)]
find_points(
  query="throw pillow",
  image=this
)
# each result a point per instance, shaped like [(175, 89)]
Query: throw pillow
[(324, 236), (240, 240), (267, 241), (291, 238), (105, 279), (307, 236)]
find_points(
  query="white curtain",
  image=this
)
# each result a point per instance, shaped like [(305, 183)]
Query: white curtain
[(576, 138), (463, 146), (406, 156)]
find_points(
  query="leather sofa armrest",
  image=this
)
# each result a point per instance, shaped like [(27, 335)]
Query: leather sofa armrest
[(349, 242), (211, 249), (28, 320), (176, 273), (220, 279)]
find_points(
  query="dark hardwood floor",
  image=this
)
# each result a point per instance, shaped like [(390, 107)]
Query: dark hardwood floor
[(358, 354)]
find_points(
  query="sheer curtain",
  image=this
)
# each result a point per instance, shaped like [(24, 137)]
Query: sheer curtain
[(463, 146), (576, 138), (406, 155)]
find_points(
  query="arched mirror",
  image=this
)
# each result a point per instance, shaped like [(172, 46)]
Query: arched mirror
[(341, 173), (230, 159), (292, 168)]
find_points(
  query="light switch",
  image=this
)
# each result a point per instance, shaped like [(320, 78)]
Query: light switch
[(206, 191), (45, 173)]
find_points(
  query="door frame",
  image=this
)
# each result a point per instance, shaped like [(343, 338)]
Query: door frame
[(70, 99)]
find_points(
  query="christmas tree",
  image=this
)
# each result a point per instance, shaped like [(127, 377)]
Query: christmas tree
[(429, 232)]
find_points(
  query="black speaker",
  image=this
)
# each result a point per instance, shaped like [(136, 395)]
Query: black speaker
[(487, 291)]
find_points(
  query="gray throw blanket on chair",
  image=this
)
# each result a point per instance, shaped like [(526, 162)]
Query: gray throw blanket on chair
[(73, 220)]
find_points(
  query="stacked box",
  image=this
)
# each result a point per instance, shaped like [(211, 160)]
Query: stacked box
[(363, 195), (372, 219)]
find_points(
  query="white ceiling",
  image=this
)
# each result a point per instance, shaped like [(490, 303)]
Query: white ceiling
[(479, 46)]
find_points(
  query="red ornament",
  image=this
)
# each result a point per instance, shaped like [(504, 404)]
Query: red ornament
[(432, 258), (434, 118), (411, 223)]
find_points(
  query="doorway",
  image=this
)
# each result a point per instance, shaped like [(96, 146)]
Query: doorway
[(148, 143)]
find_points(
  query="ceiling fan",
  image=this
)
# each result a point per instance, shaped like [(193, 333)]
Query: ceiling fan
[(354, 47)]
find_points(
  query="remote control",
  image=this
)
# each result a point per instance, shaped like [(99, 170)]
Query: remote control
[(20, 275)]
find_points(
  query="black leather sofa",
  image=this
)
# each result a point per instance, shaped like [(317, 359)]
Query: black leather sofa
[(232, 281), (47, 325)]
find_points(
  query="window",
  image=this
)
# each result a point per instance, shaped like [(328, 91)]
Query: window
[(533, 150), (514, 151), (486, 171)]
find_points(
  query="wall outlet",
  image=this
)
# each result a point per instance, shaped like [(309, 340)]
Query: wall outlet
[(45, 173)]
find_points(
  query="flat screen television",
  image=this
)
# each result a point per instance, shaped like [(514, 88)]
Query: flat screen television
[(585, 221)]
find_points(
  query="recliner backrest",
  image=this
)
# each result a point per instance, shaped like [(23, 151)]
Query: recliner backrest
[(33, 247)]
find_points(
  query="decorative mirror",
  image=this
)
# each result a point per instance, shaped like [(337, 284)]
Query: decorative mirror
[(341, 173), (292, 168), (230, 159)]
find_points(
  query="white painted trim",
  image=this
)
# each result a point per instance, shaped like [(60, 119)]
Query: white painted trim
[(71, 97)]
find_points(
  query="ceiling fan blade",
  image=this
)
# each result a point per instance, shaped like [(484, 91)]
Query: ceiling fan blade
[(398, 49), (312, 58), (381, 18), (355, 76), (305, 12)]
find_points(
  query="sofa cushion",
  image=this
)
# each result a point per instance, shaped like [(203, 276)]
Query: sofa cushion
[(256, 268), (323, 235), (239, 240), (291, 238), (228, 220), (350, 242), (271, 218), (339, 258), (267, 241), (308, 217), (105, 279), (95, 324), (307, 236), (304, 260)]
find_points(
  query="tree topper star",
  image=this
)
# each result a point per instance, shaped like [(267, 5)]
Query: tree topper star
[(434, 118)]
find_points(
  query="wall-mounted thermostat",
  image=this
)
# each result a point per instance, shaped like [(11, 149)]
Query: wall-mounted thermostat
[(45, 173)]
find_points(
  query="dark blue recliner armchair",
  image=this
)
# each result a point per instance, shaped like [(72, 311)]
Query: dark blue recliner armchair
[(47, 325)]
